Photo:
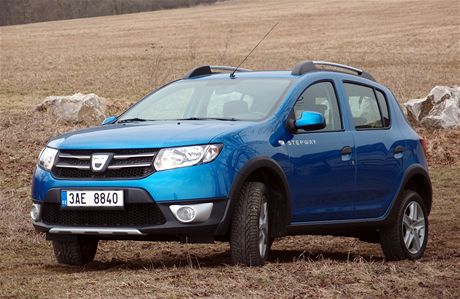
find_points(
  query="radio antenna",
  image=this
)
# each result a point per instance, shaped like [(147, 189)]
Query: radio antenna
[(232, 75)]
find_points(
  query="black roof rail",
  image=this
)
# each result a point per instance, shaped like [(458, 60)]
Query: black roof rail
[(210, 69), (307, 66)]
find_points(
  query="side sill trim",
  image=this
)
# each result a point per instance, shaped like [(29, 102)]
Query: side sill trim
[(95, 230), (333, 222)]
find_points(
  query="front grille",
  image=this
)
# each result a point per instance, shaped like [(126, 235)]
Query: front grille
[(76, 164), (132, 215)]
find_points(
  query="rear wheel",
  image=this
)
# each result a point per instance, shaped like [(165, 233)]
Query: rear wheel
[(408, 236), (75, 252), (249, 238)]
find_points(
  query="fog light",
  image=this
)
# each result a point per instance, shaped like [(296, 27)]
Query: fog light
[(192, 213), (186, 214), (35, 211)]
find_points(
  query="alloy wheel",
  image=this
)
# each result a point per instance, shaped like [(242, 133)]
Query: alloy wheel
[(413, 227), (263, 229)]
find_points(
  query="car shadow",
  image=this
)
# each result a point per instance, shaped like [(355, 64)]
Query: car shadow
[(161, 262), (215, 260), (289, 256)]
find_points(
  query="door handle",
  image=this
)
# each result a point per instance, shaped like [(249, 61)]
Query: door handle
[(398, 152), (346, 153), (399, 149), (347, 150)]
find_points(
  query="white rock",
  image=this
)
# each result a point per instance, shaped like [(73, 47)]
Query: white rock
[(440, 109), (413, 108), (77, 108)]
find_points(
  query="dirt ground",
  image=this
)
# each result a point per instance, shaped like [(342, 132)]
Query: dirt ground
[(410, 46)]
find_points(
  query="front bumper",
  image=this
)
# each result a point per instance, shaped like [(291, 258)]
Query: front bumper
[(210, 180), (142, 218)]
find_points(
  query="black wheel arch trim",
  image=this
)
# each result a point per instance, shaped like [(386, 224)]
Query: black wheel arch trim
[(411, 171), (243, 174)]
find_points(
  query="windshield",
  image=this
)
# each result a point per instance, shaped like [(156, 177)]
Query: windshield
[(226, 99)]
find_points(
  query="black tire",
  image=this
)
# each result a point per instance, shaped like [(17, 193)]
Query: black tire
[(244, 235), (75, 252), (392, 236)]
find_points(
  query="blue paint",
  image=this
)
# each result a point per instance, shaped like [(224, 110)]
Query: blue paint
[(309, 119), (109, 120), (325, 185)]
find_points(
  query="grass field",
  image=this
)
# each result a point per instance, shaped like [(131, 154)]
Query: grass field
[(410, 46)]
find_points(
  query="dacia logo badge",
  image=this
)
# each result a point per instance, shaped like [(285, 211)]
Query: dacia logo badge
[(100, 162)]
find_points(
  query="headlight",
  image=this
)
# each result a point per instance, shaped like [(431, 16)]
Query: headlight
[(46, 158), (176, 157)]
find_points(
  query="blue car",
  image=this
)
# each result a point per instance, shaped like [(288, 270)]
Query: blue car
[(228, 154)]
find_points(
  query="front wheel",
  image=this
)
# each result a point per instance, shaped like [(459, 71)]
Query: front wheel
[(249, 238), (75, 252), (408, 236)]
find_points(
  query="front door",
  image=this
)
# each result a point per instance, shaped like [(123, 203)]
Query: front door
[(322, 182)]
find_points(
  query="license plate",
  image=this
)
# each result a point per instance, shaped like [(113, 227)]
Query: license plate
[(92, 198)]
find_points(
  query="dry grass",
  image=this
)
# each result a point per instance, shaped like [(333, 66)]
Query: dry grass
[(409, 46), (299, 266)]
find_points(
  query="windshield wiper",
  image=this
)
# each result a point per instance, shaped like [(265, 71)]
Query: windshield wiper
[(128, 120), (210, 118)]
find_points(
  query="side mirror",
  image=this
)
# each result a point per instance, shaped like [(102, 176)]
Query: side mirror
[(310, 121), (109, 120)]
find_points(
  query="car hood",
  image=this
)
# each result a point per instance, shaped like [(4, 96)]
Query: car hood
[(156, 134)]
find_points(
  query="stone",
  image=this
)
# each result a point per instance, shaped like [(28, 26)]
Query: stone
[(440, 109), (77, 108)]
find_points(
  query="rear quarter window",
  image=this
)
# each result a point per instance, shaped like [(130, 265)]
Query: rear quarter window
[(383, 104)]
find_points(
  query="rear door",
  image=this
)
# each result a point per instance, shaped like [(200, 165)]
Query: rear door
[(379, 150), (322, 183)]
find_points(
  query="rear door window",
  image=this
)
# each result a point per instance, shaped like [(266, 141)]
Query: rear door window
[(368, 110)]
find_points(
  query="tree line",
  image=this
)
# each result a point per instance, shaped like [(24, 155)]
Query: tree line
[(14, 12)]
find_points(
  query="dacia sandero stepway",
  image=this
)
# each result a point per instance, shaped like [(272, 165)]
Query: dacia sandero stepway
[(242, 156)]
